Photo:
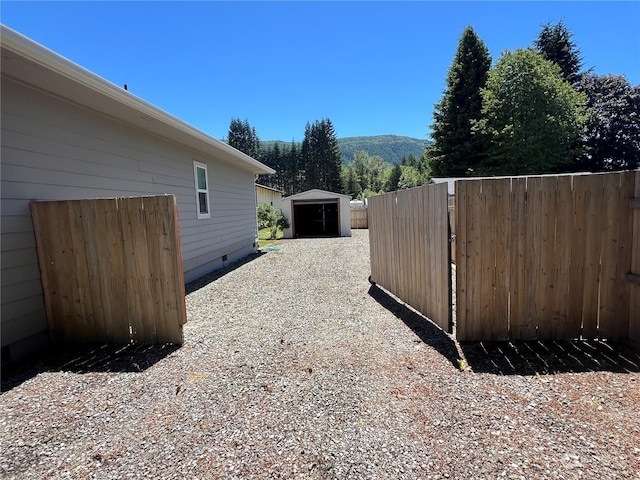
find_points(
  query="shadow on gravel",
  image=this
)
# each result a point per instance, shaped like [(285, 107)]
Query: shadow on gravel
[(428, 332), (205, 280), (80, 358), (549, 357)]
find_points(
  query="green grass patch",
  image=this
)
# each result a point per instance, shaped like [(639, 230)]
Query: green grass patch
[(264, 237)]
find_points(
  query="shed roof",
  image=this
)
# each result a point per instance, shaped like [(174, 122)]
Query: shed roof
[(269, 188), (315, 193), (29, 62)]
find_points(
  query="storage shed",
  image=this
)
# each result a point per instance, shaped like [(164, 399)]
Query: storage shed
[(68, 134), (317, 213)]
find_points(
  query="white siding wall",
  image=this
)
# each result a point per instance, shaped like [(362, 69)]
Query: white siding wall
[(54, 150), (266, 195)]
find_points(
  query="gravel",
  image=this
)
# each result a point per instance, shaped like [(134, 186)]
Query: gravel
[(294, 366)]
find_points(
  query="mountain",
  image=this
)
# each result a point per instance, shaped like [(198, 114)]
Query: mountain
[(390, 147)]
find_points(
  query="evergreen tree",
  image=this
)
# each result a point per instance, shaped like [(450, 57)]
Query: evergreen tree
[(321, 154), (394, 177), (244, 138), (350, 184), (457, 148), (532, 116), (612, 140), (554, 43)]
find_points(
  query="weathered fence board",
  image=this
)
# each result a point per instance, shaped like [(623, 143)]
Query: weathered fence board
[(546, 257), (111, 269), (634, 297), (359, 218), (409, 242)]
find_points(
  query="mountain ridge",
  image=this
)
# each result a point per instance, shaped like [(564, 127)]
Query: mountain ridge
[(390, 147)]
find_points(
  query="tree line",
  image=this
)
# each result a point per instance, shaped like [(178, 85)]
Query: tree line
[(534, 111), (316, 162)]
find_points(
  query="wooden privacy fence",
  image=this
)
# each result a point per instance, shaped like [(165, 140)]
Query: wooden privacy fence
[(409, 243), (545, 257), (111, 269), (359, 218), (549, 257)]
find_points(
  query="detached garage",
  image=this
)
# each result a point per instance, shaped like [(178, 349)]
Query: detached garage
[(317, 213)]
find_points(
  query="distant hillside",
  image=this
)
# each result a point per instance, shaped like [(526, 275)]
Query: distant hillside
[(390, 147)]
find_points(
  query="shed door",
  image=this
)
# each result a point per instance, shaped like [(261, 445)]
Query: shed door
[(316, 219)]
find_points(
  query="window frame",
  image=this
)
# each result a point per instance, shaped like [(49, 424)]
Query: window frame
[(199, 165)]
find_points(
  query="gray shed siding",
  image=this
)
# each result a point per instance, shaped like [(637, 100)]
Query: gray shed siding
[(56, 150)]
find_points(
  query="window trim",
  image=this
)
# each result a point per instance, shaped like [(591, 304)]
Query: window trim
[(199, 165)]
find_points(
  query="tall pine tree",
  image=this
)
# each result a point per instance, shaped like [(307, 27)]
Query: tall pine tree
[(554, 44), (457, 148), (243, 137), (321, 155)]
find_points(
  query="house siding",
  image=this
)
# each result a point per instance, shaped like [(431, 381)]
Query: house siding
[(268, 195), (56, 150)]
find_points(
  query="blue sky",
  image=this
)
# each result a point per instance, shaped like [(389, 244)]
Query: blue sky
[(371, 67)]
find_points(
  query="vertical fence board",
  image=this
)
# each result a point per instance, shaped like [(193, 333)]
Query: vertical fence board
[(634, 296), (99, 265), (476, 329), (85, 318), (564, 238), (578, 240), (593, 212), (486, 259), (517, 258), (533, 244), (502, 247), (116, 272), (547, 317), (462, 246), (608, 255), (622, 289)]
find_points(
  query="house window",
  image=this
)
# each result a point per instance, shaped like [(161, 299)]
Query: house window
[(202, 189)]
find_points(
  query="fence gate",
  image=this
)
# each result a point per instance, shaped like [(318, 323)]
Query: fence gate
[(410, 249), (545, 257), (111, 269)]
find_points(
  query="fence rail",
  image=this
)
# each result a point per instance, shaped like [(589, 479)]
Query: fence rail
[(111, 269), (409, 242)]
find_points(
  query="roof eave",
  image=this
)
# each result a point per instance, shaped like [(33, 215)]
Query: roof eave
[(174, 129)]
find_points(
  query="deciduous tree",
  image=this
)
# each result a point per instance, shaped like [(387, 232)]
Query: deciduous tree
[(531, 115), (612, 139)]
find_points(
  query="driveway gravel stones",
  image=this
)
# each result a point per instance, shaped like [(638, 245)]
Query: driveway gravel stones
[(294, 366)]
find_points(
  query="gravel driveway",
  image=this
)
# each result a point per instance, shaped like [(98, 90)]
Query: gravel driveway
[(294, 366)]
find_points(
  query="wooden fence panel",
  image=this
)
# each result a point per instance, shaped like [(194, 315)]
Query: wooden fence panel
[(359, 218), (546, 257), (409, 242), (111, 269)]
